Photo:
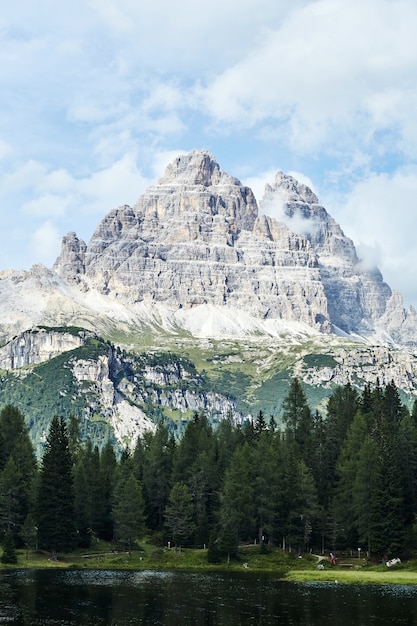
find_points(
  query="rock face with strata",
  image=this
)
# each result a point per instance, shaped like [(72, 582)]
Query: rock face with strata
[(196, 238), (37, 346)]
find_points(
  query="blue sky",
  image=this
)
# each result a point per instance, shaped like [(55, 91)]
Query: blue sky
[(97, 96)]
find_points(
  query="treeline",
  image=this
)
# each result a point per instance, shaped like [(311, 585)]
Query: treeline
[(335, 482)]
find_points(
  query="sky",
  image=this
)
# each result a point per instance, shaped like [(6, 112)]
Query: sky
[(98, 96)]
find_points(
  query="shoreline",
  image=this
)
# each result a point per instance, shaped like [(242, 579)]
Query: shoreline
[(284, 566)]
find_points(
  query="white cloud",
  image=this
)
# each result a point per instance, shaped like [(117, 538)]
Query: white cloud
[(46, 205), (257, 183), (118, 184), (332, 69), (379, 214), (45, 243)]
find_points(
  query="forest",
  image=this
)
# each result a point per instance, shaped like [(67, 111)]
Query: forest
[(320, 483)]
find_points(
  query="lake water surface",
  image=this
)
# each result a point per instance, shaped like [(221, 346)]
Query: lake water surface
[(121, 598)]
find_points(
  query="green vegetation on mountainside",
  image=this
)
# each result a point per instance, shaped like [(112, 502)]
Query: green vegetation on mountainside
[(170, 376), (50, 388)]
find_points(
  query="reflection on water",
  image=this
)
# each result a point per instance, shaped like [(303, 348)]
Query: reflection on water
[(121, 598)]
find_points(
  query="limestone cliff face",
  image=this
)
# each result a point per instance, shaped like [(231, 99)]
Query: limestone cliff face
[(356, 297), (37, 346), (195, 242), (105, 385), (196, 238)]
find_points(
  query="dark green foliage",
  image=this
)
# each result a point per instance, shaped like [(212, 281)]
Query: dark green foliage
[(17, 471), (29, 533), (153, 464), (55, 498), (179, 513), (83, 505), (9, 556), (128, 511), (102, 520), (327, 482), (237, 512)]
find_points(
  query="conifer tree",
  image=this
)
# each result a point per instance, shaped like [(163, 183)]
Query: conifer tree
[(179, 513), (103, 524), (265, 462), (299, 421), (55, 498), (237, 510), (83, 505), (157, 452), (17, 471), (9, 556), (129, 512), (10, 510)]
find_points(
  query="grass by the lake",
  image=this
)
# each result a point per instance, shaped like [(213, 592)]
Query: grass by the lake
[(281, 564), (363, 576)]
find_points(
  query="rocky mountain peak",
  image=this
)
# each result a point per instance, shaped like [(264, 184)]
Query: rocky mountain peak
[(194, 188), (292, 189), (198, 167), (195, 239)]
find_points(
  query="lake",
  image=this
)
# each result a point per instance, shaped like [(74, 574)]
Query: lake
[(122, 598)]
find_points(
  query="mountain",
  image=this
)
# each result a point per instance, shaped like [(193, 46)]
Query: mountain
[(195, 269)]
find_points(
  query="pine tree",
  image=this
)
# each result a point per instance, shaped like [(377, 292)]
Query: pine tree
[(29, 533), (103, 522), (17, 471), (55, 499), (157, 451), (237, 509), (350, 493), (179, 513), (299, 421), (9, 556), (341, 410), (83, 505), (10, 510), (129, 512), (265, 462)]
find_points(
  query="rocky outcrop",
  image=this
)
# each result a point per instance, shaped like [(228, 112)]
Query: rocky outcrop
[(37, 346), (196, 238), (104, 385), (356, 297), (194, 248)]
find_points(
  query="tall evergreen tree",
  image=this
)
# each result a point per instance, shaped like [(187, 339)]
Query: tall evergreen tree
[(299, 421), (179, 513), (55, 498), (266, 459), (129, 512), (83, 505), (9, 555), (11, 515), (341, 409), (237, 510), (103, 523), (157, 452), (17, 471)]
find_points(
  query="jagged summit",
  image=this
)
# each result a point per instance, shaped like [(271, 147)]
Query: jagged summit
[(220, 302), (198, 167), (196, 241), (292, 189)]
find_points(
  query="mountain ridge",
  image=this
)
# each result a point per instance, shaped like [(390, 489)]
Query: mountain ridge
[(196, 238), (195, 270)]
